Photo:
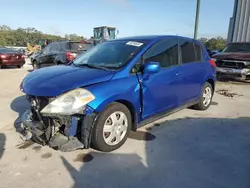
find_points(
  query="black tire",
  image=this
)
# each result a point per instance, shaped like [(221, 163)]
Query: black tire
[(35, 65), (98, 141), (58, 63), (247, 77), (200, 105), (19, 66)]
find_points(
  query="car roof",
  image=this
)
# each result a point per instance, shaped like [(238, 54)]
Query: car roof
[(66, 41), (152, 37)]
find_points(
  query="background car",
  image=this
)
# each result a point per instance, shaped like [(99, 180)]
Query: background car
[(234, 60), (56, 53), (11, 57), (212, 52)]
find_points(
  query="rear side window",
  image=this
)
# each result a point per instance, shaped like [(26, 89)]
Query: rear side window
[(165, 52), (76, 46), (187, 52), (198, 52), (54, 47), (64, 46)]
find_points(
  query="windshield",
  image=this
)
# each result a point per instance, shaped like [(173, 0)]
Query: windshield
[(238, 47), (111, 54)]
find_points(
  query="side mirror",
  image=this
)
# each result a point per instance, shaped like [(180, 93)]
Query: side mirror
[(151, 68)]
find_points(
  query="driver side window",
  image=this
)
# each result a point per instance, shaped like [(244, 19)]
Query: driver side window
[(164, 52)]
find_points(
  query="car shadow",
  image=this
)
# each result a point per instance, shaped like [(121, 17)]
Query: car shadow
[(9, 67), (231, 79), (2, 144), (188, 152), (19, 105)]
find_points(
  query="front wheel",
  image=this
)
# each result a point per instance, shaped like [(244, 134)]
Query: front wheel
[(111, 128), (206, 97), (35, 65)]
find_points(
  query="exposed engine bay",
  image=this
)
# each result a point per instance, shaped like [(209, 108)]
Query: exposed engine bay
[(61, 132)]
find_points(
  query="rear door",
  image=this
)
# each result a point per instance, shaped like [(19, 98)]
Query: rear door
[(192, 70), (43, 58), (160, 91), (53, 52)]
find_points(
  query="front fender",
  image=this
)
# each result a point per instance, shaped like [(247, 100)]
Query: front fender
[(125, 89)]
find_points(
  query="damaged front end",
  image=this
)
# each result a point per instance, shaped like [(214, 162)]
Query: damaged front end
[(64, 132)]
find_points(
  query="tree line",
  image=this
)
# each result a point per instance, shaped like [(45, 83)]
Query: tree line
[(22, 36), (217, 43)]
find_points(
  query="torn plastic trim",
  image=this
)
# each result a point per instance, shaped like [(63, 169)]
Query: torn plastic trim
[(87, 125)]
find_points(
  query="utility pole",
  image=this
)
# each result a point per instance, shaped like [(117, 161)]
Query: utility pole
[(197, 19)]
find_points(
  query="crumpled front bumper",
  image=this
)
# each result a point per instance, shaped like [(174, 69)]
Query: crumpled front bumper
[(232, 71), (66, 141), (30, 128)]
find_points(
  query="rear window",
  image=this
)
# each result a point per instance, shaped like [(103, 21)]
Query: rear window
[(76, 46), (238, 47)]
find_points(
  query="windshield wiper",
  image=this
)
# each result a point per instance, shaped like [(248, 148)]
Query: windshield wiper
[(92, 66)]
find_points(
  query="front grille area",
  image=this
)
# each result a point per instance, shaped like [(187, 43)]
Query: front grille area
[(230, 64), (37, 104)]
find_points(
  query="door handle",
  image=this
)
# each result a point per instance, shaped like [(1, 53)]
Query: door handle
[(177, 74)]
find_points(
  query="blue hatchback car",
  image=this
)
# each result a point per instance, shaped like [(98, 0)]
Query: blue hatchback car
[(114, 88)]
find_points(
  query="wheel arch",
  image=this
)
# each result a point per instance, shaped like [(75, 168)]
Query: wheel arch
[(131, 107), (132, 111), (212, 82)]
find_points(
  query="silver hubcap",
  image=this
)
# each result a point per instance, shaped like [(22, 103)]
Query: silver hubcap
[(115, 128), (207, 96)]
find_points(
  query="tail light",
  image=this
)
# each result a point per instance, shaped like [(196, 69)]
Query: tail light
[(212, 62), (2, 56), (70, 56), (22, 56)]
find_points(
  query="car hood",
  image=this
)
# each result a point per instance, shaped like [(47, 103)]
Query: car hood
[(232, 56), (55, 80)]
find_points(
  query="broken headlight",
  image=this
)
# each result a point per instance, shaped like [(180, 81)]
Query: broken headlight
[(72, 102)]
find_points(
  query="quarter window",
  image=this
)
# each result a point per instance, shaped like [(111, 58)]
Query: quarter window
[(198, 52), (165, 52)]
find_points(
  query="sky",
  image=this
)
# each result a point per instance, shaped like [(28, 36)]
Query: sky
[(130, 17)]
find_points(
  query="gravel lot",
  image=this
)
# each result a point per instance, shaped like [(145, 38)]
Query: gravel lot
[(190, 149)]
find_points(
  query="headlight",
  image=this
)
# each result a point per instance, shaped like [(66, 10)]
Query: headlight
[(72, 102)]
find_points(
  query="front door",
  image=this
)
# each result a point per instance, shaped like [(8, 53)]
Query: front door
[(160, 91)]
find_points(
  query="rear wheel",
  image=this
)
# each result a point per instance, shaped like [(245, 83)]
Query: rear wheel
[(19, 66), (206, 97), (111, 128), (58, 63), (2, 66)]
